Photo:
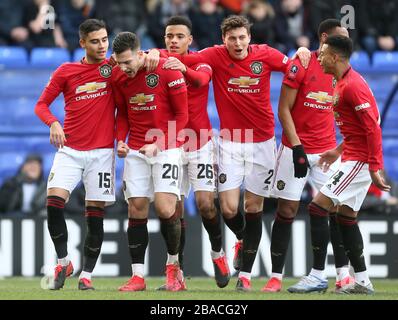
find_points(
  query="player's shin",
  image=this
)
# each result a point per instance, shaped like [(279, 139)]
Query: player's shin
[(340, 258), (236, 224), (280, 238), (137, 234), (171, 231), (353, 242), (213, 228), (57, 225), (319, 236), (94, 238), (251, 240)]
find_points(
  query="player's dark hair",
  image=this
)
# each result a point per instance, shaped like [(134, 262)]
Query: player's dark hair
[(125, 41), (233, 22), (326, 26), (90, 25), (341, 45), (180, 20)]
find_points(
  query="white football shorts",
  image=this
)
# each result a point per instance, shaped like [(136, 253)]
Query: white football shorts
[(144, 176), (95, 167), (349, 185), (251, 164), (198, 170), (286, 186)]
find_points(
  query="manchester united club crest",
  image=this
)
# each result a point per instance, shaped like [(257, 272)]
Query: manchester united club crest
[(280, 185), (335, 100), (105, 70), (152, 80), (222, 178), (256, 67)]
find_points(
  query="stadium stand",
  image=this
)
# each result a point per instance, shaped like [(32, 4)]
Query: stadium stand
[(48, 57), (13, 57), (22, 80)]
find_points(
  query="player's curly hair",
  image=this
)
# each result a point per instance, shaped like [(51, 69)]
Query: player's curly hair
[(125, 41), (233, 22)]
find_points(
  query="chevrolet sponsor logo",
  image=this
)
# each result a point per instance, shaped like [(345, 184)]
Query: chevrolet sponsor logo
[(91, 87), (320, 97), (142, 99), (244, 82)]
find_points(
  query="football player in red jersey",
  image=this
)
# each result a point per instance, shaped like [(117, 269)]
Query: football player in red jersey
[(149, 102), (357, 116), (199, 155), (85, 147), (246, 148), (306, 115)]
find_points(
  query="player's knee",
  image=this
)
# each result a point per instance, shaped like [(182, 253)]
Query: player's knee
[(137, 211), (253, 207), (287, 210), (229, 210), (164, 210), (206, 207)]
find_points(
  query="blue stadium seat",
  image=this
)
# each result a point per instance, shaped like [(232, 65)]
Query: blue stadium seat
[(360, 61), (11, 160), (385, 61), (48, 57), (11, 144), (78, 54), (13, 57), (23, 82), (391, 165), (390, 147)]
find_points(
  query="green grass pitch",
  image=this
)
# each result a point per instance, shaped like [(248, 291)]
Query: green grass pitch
[(20, 288)]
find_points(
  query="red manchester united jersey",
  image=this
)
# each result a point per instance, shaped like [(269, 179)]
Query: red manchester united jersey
[(312, 111), (150, 101), (198, 121), (242, 88), (358, 118), (89, 106)]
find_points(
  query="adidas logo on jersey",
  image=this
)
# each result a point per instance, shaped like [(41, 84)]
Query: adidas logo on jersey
[(209, 183), (173, 184), (106, 192)]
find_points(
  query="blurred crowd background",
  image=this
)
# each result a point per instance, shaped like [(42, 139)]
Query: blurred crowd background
[(283, 24)]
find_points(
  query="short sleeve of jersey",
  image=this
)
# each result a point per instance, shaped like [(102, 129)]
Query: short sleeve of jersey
[(208, 56), (203, 67), (276, 60), (294, 75), (175, 82)]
